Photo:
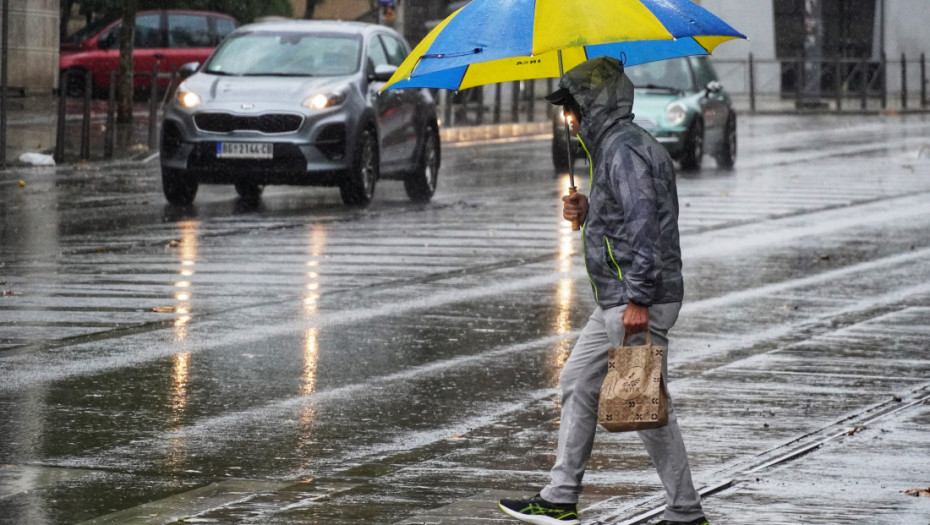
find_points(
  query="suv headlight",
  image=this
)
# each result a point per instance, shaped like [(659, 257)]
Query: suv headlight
[(675, 114), (324, 100), (187, 99)]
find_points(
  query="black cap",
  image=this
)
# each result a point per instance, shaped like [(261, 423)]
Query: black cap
[(560, 97)]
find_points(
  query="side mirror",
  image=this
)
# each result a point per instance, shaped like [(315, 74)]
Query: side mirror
[(188, 69), (714, 87), (383, 73)]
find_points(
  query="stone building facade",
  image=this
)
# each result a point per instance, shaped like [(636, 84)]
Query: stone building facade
[(33, 46)]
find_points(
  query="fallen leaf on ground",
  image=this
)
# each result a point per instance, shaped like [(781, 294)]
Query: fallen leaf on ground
[(22, 184), (918, 493), (855, 431), (163, 309), (173, 244)]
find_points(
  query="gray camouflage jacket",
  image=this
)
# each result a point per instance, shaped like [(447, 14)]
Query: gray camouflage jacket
[(630, 235)]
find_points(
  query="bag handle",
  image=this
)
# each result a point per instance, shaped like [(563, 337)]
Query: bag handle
[(648, 337)]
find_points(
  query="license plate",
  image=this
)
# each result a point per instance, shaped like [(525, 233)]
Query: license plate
[(244, 150)]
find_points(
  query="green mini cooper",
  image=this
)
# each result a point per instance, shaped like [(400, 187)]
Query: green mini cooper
[(682, 104)]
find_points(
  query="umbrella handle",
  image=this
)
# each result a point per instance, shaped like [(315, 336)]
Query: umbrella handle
[(571, 191)]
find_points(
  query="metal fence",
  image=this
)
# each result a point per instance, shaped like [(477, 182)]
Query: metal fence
[(800, 85), (505, 103), (805, 84), (90, 112)]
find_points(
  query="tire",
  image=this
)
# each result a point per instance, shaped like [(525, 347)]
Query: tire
[(560, 159), (358, 187), (694, 147), (726, 157), (420, 184), (179, 188), (249, 191)]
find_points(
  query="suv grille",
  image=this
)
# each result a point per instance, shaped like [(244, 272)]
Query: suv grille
[(268, 123)]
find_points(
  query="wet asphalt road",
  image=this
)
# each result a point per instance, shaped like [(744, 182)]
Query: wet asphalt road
[(301, 362)]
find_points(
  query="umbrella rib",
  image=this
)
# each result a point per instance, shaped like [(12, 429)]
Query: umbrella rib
[(446, 55)]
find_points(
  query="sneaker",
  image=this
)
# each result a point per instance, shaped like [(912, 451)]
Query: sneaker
[(699, 521), (540, 512)]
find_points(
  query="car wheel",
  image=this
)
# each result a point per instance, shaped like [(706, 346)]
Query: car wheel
[(694, 147), (358, 187), (249, 191), (421, 183), (180, 189), (726, 157), (560, 155)]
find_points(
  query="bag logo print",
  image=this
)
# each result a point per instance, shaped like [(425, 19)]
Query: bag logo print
[(627, 385)]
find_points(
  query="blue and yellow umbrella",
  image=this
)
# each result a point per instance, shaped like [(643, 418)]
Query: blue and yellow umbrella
[(489, 41)]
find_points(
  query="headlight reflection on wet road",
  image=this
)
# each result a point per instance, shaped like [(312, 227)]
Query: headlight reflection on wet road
[(311, 341), (187, 252), (563, 299)]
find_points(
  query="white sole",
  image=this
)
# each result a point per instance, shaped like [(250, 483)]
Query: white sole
[(536, 520)]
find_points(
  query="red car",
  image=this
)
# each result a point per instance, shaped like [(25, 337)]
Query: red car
[(168, 38)]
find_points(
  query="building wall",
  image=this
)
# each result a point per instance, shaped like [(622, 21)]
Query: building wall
[(33, 46), (333, 9), (755, 19), (906, 24)]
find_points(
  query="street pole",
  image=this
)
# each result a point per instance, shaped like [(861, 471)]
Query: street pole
[(813, 52), (4, 79)]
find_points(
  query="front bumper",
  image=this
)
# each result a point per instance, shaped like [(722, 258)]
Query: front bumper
[(673, 141), (317, 153)]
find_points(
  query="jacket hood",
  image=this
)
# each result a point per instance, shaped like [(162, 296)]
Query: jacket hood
[(603, 92)]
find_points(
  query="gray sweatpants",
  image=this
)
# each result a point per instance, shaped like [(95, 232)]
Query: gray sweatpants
[(581, 380)]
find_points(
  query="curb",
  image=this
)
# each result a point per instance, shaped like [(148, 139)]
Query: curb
[(493, 132)]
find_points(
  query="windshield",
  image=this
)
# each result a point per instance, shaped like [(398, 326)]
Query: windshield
[(286, 53), (88, 31), (674, 74)]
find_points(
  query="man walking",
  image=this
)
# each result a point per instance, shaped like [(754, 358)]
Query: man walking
[(633, 259)]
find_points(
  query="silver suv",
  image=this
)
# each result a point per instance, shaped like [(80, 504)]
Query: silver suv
[(298, 102)]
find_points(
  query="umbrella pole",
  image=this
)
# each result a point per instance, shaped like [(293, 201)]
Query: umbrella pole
[(568, 145)]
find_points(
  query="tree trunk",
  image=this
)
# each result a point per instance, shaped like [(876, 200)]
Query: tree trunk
[(127, 34), (65, 15)]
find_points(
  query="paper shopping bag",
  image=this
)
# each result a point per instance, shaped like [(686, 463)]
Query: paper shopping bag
[(633, 395)]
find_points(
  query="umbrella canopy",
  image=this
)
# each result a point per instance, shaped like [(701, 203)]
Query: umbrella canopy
[(490, 41)]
